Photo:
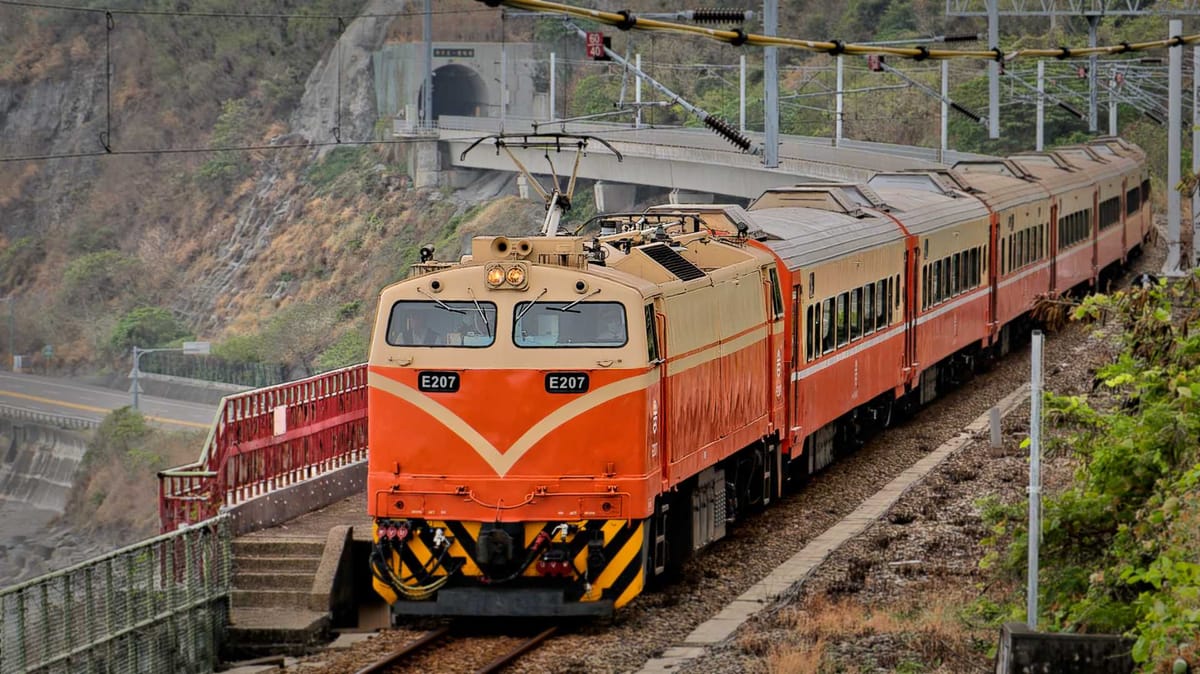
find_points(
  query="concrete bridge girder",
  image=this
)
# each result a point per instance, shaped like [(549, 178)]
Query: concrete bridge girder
[(695, 170), (679, 196), (614, 197)]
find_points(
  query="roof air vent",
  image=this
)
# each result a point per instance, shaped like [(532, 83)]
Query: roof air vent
[(672, 261)]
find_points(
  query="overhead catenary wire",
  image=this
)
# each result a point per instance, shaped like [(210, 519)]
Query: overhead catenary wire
[(628, 21)]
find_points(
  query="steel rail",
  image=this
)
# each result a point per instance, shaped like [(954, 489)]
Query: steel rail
[(504, 660), (388, 660)]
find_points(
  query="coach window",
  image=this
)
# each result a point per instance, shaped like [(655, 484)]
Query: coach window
[(924, 287), (855, 314), (827, 325), (936, 292), (1131, 202), (868, 312), (811, 322), (1003, 268), (885, 316), (958, 280), (881, 300), (946, 290), (895, 281), (843, 325)]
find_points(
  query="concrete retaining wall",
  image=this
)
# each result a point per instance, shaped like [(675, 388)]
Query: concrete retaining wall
[(1023, 650), (163, 386), (38, 463)]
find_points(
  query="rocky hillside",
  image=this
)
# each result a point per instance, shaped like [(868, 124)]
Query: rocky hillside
[(275, 253)]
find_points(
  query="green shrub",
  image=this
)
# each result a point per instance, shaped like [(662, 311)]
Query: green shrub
[(232, 129), (350, 349), (335, 164), (119, 433), (1119, 546), (97, 278), (19, 260), (147, 327)]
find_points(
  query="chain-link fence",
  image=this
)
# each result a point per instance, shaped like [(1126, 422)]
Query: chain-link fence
[(213, 368), (157, 606)]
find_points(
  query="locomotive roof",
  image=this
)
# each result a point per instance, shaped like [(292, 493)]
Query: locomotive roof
[(806, 236)]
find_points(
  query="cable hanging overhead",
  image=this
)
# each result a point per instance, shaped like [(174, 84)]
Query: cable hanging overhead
[(625, 20)]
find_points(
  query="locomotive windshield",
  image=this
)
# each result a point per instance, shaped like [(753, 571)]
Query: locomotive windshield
[(570, 324), (438, 323)]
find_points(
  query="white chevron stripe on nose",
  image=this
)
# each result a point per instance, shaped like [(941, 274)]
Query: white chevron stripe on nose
[(503, 462)]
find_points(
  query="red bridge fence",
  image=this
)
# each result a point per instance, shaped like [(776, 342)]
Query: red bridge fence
[(268, 439)]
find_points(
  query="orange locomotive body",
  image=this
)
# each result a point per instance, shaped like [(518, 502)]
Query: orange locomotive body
[(531, 413), (554, 422)]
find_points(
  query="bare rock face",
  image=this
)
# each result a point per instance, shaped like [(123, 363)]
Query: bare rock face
[(317, 117), (59, 114)]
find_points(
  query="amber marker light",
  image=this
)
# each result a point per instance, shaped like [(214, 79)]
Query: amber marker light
[(516, 276), (495, 276)]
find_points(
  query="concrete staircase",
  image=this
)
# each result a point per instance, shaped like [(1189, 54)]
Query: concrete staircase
[(275, 608)]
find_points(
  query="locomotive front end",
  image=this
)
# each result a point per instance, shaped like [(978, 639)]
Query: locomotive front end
[(512, 462)]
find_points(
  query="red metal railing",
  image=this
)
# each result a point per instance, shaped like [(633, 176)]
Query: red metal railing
[(270, 438)]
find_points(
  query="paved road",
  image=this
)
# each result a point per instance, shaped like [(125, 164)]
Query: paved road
[(47, 394)]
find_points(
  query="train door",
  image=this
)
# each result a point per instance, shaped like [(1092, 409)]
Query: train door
[(993, 321), (776, 340), (912, 268), (656, 339), (1124, 217), (800, 326), (1053, 245), (1094, 226)]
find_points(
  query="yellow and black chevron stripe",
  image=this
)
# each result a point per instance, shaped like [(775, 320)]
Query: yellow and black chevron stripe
[(623, 576)]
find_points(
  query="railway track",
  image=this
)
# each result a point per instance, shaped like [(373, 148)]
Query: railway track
[(419, 654)]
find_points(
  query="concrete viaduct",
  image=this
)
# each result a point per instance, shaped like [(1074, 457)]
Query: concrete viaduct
[(482, 87)]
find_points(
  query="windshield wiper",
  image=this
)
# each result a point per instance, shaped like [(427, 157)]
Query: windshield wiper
[(481, 314), (568, 307), (441, 304), (529, 306)]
